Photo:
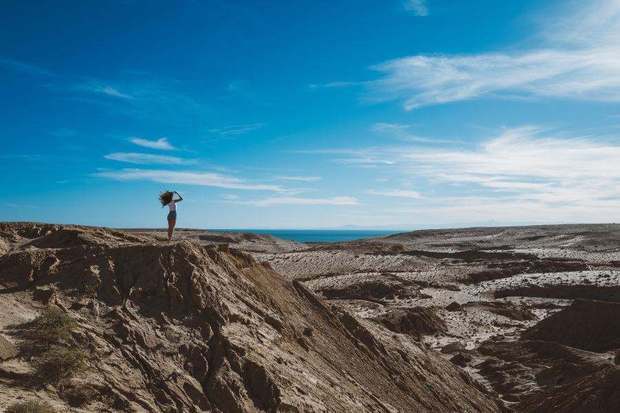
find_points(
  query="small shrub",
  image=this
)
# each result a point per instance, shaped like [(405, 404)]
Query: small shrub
[(32, 406), (58, 363), (52, 326), (78, 394)]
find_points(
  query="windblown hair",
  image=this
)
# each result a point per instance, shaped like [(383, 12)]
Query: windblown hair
[(165, 198)]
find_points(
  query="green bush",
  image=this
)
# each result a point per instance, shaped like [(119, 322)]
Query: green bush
[(58, 363), (32, 406), (52, 326)]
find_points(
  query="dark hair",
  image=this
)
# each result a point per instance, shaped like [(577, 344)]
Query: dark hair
[(165, 198)]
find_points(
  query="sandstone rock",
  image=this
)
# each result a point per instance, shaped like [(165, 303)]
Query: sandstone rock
[(7, 349), (453, 347), (454, 306), (461, 359), (588, 325), (415, 321)]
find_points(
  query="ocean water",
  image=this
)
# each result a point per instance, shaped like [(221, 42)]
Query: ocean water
[(316, 235)]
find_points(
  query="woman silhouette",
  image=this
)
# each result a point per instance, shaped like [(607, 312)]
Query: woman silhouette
[(167, 199)]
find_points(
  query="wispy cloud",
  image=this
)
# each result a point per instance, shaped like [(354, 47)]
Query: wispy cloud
[(234, 130), (187, 178), (97, 88), (527, 164), (289, 200), (23, 67), (403, 132), (147, 158), (362, 160), (161, 143), (300, 178), (417, 7), (363, 157), (139, 95), (577, 66), (519, 175), (396, 193)]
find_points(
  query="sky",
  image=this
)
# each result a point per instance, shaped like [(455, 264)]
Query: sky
[(393, 114)]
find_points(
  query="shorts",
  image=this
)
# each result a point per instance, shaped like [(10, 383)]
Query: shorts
[(172, 215)]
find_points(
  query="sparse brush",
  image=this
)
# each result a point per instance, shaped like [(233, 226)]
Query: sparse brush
[(52, 326), (31, 406), (58, 363)]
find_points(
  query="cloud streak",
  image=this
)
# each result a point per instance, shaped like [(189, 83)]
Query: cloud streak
[(235, 130), (417, 7), (147, 158), (396, 193), (403, 132), (102, 89), (187, 178), (161, 143)]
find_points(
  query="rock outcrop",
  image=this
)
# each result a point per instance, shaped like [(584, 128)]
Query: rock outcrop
[(587, 325)]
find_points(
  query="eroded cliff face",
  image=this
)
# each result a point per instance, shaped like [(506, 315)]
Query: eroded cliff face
[(182, 327)]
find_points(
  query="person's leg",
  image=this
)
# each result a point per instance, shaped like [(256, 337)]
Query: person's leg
[(172, 221)]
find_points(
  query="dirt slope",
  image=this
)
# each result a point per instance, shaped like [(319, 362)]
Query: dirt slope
[(183, 327)]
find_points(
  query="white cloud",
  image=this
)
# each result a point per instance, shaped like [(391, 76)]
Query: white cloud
[(417, 7), (403, 132), (147, 158), (235, 130), (580, 60), (367, 161), (529, 165), (289, 200), (161, 143), (396, 193), (186, 178), (98, 88), (300, 178), (110, 91), (336, 84), (526, 152), (520, 175)]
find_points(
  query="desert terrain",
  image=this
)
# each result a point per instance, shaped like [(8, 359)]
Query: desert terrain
[(522, 319)]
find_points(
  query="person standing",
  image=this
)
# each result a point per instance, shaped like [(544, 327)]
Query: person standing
[(167, 199)]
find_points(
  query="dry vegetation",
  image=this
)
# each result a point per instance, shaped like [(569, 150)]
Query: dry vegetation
[(59, 362), (49, 340), (52, 326)]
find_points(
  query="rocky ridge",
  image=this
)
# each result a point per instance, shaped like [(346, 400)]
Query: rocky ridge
[(180, 326)]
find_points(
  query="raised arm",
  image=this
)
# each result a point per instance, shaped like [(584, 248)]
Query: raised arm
[(180, 197)]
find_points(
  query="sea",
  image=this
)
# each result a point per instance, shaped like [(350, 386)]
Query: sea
[(316, 235)]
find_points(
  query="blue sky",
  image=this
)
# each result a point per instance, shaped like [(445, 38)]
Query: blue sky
[(310, 114)]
